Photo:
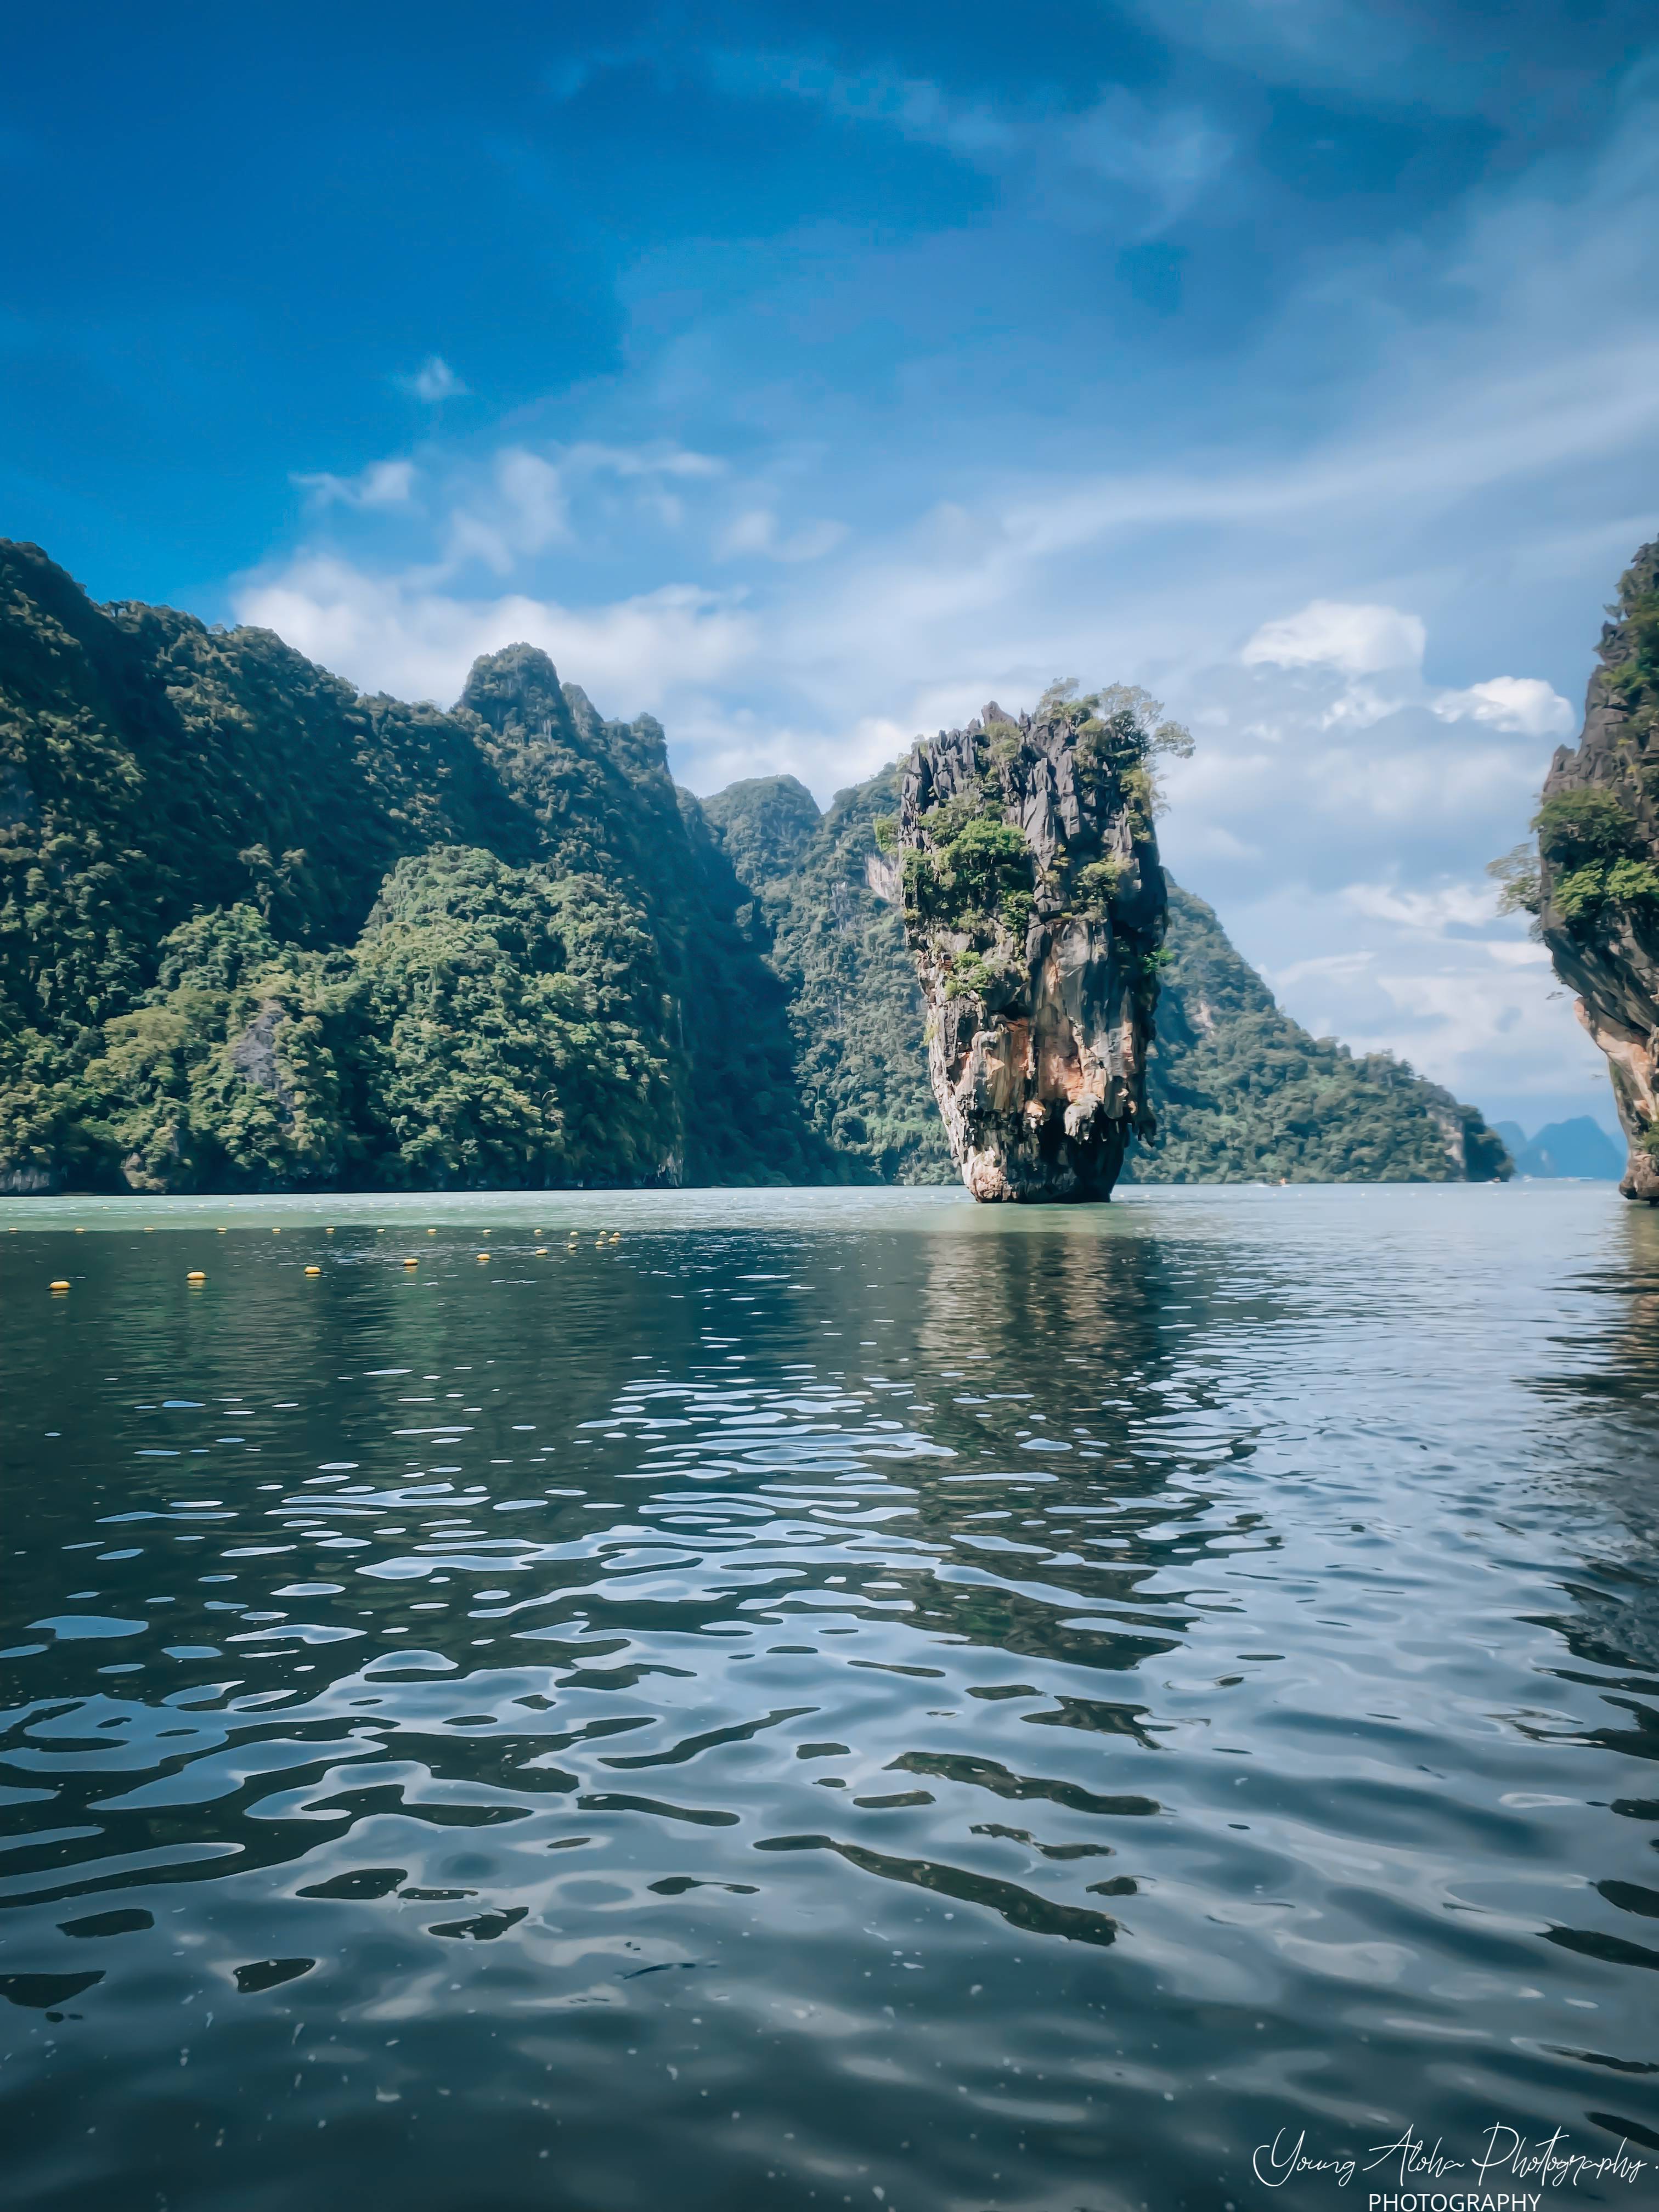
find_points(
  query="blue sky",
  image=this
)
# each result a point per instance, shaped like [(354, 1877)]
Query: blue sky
[(808, 374)]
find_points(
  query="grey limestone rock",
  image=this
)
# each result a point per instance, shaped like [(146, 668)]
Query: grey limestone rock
[(1035, 910)]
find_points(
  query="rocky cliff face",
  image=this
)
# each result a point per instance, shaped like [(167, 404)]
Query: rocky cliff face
[(1596, 892), (1035, 910)]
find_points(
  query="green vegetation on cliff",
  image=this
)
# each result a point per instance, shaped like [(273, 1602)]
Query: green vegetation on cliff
[(257, 931), (260, 931), (1243, 1094), (1592, 881), (825, 894)]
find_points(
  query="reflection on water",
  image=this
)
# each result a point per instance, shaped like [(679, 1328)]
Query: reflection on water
[(836, 1699)]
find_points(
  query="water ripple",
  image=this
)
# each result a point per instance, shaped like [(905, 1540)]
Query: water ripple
[(867, 1702)]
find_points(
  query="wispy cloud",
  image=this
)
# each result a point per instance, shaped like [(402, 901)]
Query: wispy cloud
[(1360, 641), (396, 634), (1508, 703), (382, 483), (756, 529), (434, 380), (1165, 154)]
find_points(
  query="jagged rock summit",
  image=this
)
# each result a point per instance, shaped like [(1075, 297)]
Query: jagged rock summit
[(1597, 888), (1034, 909)]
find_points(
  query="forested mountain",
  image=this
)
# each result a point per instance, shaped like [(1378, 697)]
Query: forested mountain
[(259, 931)]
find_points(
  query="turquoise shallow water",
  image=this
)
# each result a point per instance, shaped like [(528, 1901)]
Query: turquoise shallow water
[(833, 1699)]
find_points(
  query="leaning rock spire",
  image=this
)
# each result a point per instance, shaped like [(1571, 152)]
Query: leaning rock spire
[(1035, 907)]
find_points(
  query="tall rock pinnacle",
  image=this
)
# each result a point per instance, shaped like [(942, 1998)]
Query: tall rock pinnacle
[(1035, 907)]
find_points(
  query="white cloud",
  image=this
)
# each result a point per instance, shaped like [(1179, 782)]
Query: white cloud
[(656, 460), (1324, 969), (1360, 641), (1176, 152), (756, 531), (1426, 913), (382, 483), (1164, 154), (398, 635), (532, 492), (1524, 703), (520, 510), (434, 380)]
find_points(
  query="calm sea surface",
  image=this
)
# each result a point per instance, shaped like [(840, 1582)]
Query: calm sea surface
[(830, 1699)]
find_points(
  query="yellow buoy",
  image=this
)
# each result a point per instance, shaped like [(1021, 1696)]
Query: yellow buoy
[(275, 1232), (313, 1271), (411, 1263), (196, 1275), (431, 1232), (328, 1232), (483, 1255), (60, 1287), (79, 1232), (540, 1251), (224, 1232)]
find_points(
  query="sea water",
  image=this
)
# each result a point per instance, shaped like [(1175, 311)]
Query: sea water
[(726, 1699)]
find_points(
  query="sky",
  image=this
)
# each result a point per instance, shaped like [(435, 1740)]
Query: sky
[(808, 375)]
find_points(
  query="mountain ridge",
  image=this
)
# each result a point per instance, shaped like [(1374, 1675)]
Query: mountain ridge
[(260, 931)]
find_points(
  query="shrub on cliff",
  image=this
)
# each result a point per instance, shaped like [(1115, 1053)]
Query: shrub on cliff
[(516, 1031)]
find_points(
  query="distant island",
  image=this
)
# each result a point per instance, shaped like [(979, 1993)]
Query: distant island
[(1579, 1149), (260, 931)]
